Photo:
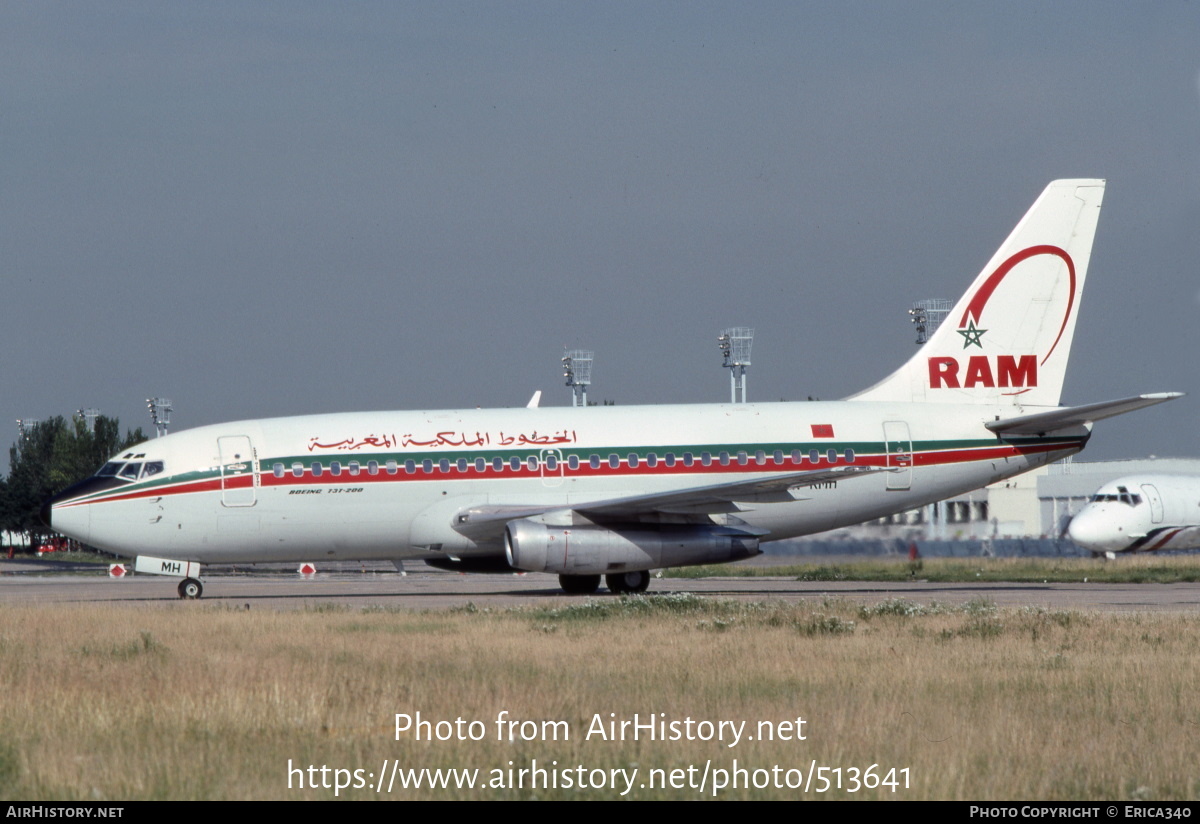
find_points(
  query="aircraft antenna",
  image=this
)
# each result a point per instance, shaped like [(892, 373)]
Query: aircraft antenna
[(577, 369), (735, 343), (927, 316), (160, 413)]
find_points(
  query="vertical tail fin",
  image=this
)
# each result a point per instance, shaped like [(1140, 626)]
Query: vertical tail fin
[(1008, 338)]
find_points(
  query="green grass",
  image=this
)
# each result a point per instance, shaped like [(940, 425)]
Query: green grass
[(1133, 570)]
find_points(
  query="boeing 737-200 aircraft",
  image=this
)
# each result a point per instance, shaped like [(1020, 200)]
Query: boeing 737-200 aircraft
[(620, 491), (1140, 513)]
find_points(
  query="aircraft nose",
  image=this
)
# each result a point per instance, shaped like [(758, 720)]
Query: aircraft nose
[(72, 521), (1094, 530)]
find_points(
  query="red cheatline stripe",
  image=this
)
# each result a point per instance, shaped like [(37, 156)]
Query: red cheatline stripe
[(1159, 544), (267, 479)]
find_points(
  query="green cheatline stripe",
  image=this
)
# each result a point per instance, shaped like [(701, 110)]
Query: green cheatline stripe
[(863, 450)]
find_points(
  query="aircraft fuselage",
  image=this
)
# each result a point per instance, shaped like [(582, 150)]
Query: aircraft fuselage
[(394, 485)]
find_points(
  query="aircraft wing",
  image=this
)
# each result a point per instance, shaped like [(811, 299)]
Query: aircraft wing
[(1039, 423), (480, 522), (720, 497)]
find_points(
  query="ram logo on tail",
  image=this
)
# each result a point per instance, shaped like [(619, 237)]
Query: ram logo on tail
[(1008, 338)]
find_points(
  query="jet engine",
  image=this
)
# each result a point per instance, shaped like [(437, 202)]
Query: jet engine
[(593, 550)]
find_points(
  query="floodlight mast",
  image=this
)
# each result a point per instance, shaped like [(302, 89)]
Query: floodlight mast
[(577, 369), (160, 413), (25, 425), (735, 344), (927, 316), (89, 416)]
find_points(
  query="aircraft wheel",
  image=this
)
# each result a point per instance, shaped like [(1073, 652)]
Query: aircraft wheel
[(190, 589), (622, 583), (579, 584)]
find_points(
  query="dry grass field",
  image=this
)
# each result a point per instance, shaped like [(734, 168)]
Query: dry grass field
[(189, 701)]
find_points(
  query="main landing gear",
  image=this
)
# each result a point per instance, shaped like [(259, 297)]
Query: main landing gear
[(619, 583), (579, 584), (628, 583)]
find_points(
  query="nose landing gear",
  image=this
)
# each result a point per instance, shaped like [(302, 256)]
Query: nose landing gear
[(190, 589)]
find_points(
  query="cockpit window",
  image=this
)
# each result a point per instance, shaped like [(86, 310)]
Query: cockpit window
[(131, 470), (152, 468), (110, 469), (1123, 497)]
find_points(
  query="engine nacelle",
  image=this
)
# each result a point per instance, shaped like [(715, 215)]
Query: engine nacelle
[(596, 550)]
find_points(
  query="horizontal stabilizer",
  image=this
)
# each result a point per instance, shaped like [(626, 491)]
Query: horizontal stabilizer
[(1041, 422)]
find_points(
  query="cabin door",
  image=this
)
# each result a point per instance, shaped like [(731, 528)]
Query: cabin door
[(1156, 504), (899, 454), (551, 463), (239, 471)]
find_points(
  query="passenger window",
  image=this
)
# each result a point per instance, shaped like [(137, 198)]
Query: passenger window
[(410, 466), (724, 457), (778, 457), (392, 467), (297, 470), (515, 463), (480, 464), (372, 467), (277, 469), (742, 458), (426, 466), (462, 464), (633, 460), (573, 462), (669, 459), (443, 465), (652, 460), (706, 458), (316, 469), (498, 464), (353, 468), (814, 456), (849, 453), (796, 458), (614, 461), (532, 463), (594, 462), (760, 457), (832, 455), (551, 463), (688, 459), (335, 468)]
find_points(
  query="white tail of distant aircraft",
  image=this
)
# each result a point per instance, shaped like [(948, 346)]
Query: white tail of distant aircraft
[(1140, 513), (618, 491)]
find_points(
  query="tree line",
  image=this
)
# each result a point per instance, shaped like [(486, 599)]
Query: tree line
[(50, 456)]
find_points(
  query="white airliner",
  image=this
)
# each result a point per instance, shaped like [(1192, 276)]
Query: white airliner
[(1140, 513), (620, 491)]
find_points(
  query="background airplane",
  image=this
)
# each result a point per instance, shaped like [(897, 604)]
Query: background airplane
[(1140, 513), (619, 491)]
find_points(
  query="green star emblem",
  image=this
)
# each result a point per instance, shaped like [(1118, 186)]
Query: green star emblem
[(971, 335)]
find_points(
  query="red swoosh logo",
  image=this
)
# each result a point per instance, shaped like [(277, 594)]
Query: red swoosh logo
[(974, 309)]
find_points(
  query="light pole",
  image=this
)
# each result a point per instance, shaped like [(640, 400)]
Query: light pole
[(577, 369), (735, 344)]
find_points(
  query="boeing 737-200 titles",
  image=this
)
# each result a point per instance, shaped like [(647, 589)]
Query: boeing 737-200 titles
[(621, 491), (1140, 513)]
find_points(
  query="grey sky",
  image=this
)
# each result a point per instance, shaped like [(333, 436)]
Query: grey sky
[(273, 209)]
